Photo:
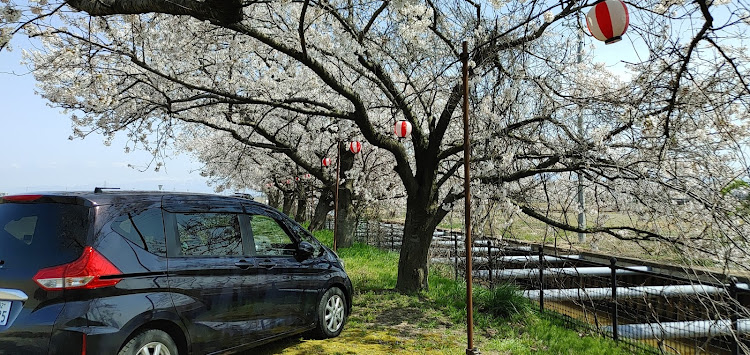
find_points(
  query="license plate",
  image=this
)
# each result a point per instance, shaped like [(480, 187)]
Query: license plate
[(4, 312)]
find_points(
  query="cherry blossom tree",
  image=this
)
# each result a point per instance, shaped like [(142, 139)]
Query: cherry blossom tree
[(672, 128)]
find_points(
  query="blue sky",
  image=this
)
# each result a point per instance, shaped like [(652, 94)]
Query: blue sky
[(36, 155)]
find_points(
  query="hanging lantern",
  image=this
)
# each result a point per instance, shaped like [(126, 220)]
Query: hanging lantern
[(326, 161), (608, 20), (308, 176), (402, 129), (288, 181), (355, 147), (296, 178)]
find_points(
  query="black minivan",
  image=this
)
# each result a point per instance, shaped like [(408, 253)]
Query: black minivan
[(122, 272)]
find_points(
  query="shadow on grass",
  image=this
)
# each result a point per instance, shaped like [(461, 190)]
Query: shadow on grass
[(382, 322), (351, 341), (275, 347)]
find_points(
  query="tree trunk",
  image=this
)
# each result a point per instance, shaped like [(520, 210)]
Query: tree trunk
[(419, 228), (325, 205), (347, 219), (288, 202), (301, 214), (273, 198), (347, 222)]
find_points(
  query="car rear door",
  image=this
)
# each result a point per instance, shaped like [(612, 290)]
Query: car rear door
[(210, 272)]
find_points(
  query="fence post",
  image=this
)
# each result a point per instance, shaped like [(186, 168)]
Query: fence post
[(393, 241), (455, 255), (541, 279), (735, 309), (489, 260), (380, 230), (614, 315)]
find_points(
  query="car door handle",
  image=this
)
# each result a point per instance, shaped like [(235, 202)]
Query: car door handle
[(268, 264), (243, 264)]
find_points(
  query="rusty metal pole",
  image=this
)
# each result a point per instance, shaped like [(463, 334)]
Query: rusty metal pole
[(470, 349), (336, 195)]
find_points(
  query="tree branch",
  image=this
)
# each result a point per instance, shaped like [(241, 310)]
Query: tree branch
[(218, 12)]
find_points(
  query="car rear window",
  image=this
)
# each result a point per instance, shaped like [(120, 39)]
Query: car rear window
[(42, 234)]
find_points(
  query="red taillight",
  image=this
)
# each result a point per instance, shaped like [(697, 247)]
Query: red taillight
[(21, 198), (84, 273)]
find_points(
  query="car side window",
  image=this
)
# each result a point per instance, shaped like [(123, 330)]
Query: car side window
[(145, 229), (270, 238), (208, 234)]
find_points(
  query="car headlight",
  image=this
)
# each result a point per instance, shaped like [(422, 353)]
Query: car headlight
[(335, 256)]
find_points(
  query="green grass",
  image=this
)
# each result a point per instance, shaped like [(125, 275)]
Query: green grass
[(434, 322)]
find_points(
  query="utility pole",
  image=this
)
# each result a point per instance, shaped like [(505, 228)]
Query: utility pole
[(470, 349), (336, 195), (581, 136)]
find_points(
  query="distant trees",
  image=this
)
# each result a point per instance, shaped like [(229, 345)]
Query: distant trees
[(294, 76), (291, 173)]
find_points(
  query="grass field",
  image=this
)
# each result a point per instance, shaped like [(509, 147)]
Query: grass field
[(434, 322)]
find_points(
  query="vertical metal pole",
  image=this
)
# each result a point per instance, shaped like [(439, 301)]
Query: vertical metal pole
[(541, 279), (614, 315), (470, 350), (489, 259), (581, 197), (336, 197), (735, 309)]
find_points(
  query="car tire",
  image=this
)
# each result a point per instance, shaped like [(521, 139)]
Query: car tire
[(152, 342), (331, 314)]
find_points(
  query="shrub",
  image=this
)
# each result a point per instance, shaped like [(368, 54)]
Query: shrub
[(503, 301)]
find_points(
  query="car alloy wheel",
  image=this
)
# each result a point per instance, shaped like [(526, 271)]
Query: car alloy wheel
[(335, 313), (154, 348), (332, 309), (150, 342)]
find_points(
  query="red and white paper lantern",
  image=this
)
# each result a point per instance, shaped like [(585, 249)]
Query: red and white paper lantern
[(308, 176), (355, 147), (608, 20), (326, 161), (288, 181), (402, 129)]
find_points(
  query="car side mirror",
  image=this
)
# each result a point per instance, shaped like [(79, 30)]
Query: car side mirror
[(304, 251)]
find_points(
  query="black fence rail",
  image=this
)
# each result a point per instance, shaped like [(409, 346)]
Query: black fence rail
[(664, 313), (379, 234), (652, 307)]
